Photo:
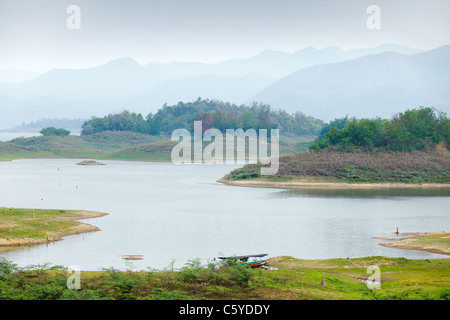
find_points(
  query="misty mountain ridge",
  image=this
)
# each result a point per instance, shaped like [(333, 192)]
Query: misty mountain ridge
[(35, 126), (374, 85), (309, 80), (17, 75), (124, 77), (211, 86)]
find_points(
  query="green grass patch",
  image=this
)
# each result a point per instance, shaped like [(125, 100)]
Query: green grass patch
[(118, 145), (36, 224), (293, 279)]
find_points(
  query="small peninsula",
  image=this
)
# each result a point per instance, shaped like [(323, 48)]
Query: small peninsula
[(434, 242), (28, 227)]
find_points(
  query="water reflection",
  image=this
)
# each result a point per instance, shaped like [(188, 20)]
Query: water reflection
[(387, 193)]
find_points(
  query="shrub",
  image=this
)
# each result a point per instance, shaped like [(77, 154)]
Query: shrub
[(246, 172), (52, 131), (119, 285), (191, 271)]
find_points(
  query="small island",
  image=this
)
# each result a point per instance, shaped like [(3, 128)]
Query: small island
[(90, 163), (410, 150)]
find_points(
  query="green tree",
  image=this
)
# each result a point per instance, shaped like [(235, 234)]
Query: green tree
[(422, 124), (248, 120), (217, 114), (396, 135), (415, 129), (363, 133), (444, 129)]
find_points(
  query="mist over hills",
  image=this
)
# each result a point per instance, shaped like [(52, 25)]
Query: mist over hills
[(323, 83), (219, 87), (17, 75), (370, 86)]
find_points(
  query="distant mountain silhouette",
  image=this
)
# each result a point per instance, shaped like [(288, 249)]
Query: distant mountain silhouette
[(211, 86), (373, 85), (296, 81)]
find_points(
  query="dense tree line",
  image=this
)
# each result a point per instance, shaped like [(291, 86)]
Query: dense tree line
[(416, 129), (212, 113)]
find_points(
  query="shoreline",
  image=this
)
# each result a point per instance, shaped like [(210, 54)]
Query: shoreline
[(432, 242), (84, 158), (80, 227), (305, 184)]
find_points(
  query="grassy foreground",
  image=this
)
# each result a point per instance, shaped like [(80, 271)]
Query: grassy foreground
[(294, 279)]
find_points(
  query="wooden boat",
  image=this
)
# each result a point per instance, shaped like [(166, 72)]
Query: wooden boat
[(257, 264), (244, 259)]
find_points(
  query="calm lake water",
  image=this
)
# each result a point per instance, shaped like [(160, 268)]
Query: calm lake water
[(173, 213)]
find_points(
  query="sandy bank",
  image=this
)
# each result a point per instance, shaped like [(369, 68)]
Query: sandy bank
[(434, 242), (299, 183)]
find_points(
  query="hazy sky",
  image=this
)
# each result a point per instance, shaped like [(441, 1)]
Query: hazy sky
[(34, 34)]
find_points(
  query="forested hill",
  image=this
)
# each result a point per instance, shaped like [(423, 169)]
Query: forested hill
[(412, 147), (212, 113)]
